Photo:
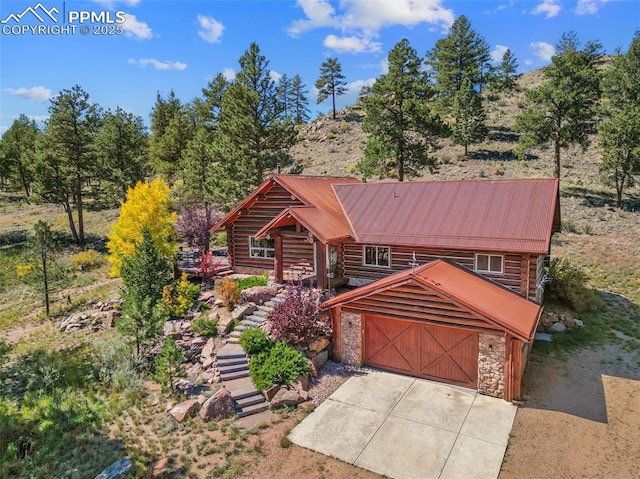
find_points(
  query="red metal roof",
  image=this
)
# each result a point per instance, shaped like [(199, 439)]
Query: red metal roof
[(311, 190), (480, 215), (493, 302)]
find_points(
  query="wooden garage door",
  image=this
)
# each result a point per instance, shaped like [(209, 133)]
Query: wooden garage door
[(432, 352)]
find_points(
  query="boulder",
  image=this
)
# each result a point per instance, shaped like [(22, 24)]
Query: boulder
[(207, 364), (160, 467), (152, 386), (185, 409), (320, 359), (258, 294), (122, 468), (285, 397), (558, 327), (301, 384), (198, 342), (271, 392), (207, 350), (319, 344), (243, 310), (219, 406), (579, 323)]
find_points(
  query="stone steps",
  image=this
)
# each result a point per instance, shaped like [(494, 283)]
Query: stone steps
[(231, 361), (241, 373), (232, 368), (249, 410)]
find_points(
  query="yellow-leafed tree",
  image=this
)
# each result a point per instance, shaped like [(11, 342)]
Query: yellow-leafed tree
[(147, 205)]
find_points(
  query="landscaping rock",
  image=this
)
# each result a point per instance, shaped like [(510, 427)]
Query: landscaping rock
[(558, 327), (301, 384), (271, 392), (219, 406), (198, 342), (207, 364), (579, 323), (320, 360), (152, 386), (258, 294), (243, 310), (183, 410), (319, 344), (207, 350), (160, 467), (123, 467), (285, 397)]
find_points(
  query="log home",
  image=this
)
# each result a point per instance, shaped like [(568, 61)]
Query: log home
[(438, 242)]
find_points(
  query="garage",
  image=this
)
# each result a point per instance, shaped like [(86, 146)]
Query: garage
[(441, 322), (422, 350)]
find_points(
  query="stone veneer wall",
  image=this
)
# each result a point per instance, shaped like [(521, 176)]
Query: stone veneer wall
[(351, 338), (491, 358)]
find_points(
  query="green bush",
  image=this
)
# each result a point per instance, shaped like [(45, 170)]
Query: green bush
[(568, 286), (86, 260), (255, 341), (205, 327), (280, 365), (251, 281), (5, 348)]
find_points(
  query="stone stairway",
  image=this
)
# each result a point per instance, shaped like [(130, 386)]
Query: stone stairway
[(234, 371), (256, 319), (233, 366)]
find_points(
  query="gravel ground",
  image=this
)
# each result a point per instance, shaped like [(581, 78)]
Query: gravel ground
[(331, 377)]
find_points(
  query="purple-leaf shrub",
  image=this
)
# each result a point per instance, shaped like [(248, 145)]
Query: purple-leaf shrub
[(297, 320)]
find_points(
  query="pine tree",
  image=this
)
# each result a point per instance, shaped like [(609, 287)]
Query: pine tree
[(69, 155), (211, 103), (254, 136), (620, 130), (45, 247), (503, 78), (461, 54), (170, 133), (121, 144), (18, 151), (562, 111), (403, 129), (469, 117), (331, 82), (169, 365), (284, 93), (301, 113)]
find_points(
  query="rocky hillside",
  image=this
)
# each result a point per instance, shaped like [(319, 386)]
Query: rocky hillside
[(333, 147)]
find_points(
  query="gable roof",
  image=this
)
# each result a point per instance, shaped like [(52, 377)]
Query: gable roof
[(480, 215), (311, 190), (493, 302)]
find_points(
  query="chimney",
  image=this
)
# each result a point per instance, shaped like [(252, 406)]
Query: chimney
[(278, 168)]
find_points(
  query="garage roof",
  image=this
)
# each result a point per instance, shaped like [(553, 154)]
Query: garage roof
[(491, 301)]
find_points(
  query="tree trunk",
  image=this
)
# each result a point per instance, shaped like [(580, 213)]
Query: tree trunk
[(81, 240), (25, 184), (72, 225), (46, 281), (333, 98), (466, 149), (556, 172)]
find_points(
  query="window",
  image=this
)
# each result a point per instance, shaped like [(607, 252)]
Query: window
[(263, 248), (489, 263), (377, 256)]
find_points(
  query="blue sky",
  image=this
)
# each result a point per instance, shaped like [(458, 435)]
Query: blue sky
[(168, 44)]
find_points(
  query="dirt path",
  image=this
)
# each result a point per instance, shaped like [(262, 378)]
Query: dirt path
[(581, 418)]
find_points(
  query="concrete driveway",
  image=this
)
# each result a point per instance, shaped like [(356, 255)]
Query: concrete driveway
[(403, 427)]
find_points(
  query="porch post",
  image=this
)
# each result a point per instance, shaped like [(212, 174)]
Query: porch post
[(278, 263), (321, 263)]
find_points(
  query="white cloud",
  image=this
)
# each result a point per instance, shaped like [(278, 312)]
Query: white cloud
[(157, 64), (589, 7), (384, 66), (3, 129), (356, 86), (498, 52), (550, 8), (210, 29), (228, 74), (275, 76), (360, 21), (351, 44), (543, 50), (36, 93), (132, 27), (112, 3), (528, 62)]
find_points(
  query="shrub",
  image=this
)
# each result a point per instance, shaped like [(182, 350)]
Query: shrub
[(251, 281), (5, 348), (169, 365), (86, 260), (255, 341), (568, 286), (280, 365), (228, 292), (297, 319), (205, 327), (180, 297)]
